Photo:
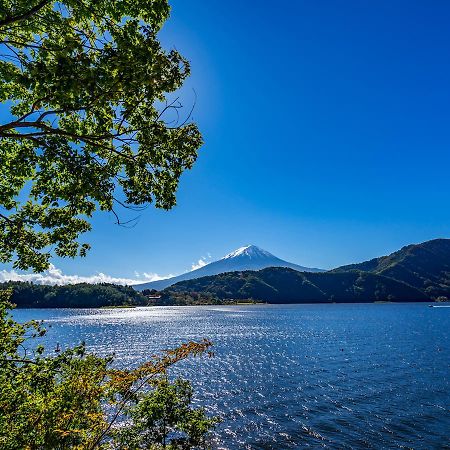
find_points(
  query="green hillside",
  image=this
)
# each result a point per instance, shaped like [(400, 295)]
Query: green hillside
[(425, 266), (283, 285), (415, 273)]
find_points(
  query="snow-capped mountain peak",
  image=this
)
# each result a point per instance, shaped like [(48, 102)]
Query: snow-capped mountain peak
[(249, 251), (249, 257)]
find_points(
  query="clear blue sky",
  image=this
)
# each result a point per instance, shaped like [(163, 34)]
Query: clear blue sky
[(327, 136)]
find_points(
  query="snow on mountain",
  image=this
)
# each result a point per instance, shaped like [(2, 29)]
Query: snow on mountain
[(250, 251), (249, 257)]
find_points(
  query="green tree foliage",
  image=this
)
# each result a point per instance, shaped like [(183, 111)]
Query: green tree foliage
[(165, 411), (76, 400), (85, 88), (168, 297), (83, 295)]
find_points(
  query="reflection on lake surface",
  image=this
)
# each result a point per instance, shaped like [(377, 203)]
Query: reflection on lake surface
[(290, 376)]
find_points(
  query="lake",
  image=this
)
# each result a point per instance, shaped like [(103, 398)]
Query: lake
[(289, 376)]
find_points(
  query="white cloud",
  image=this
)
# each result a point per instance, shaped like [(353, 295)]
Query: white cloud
[(201, 262), (155, 276), (55, 276), (198, 264)]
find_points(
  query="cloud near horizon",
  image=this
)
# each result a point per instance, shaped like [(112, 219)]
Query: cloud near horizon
[(54, 276)]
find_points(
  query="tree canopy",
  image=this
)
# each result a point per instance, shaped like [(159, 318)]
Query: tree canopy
[(82, 295), (88, 121)]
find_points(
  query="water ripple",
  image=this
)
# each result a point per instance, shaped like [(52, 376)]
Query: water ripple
[(309, 376)]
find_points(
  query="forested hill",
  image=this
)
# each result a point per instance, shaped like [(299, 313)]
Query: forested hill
[(415, 273), (425, 266), (29, 295), (283, 285)]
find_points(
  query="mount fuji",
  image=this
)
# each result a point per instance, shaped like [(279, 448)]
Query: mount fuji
[(249, 257)]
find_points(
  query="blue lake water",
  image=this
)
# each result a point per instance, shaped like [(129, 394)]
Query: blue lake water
[(293, 376)]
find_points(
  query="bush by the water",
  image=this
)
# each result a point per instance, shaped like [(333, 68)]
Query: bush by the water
[(71, 399)]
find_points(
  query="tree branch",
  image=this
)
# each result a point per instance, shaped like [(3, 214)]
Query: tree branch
[(25, 15)]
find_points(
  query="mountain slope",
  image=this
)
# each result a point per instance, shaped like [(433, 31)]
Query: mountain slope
[(425, 266), (250, 257), (284, 285)]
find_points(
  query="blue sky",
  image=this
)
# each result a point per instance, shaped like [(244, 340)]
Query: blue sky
[(327, 136)]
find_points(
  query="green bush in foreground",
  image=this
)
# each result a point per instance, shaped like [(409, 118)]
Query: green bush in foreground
[(77, 400)]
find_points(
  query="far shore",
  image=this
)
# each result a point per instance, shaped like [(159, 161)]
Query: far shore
[(242, 303)]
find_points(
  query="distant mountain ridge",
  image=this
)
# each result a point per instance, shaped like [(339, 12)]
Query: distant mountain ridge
[(249, 257), (284, 285), (425, 266), (418, 272)]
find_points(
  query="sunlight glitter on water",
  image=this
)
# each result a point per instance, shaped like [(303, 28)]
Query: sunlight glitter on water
[(328, 376)]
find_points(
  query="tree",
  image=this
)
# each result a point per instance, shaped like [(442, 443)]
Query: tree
[(165, 411), (86, 87), (86, 126), (74, 399)]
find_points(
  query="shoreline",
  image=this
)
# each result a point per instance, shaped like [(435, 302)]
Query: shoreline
[(433, 304)]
